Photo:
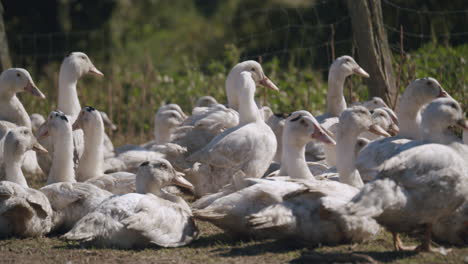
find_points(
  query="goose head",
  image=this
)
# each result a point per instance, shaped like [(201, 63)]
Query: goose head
[(56, 126), (16, 80), (374, 102), (107, 121), (346, 66), (422, 91), (301, 127), (88, 119), (169, 118), (174, 107), (383, 118), (206, 101), (257, 73), (156, 174), (78, 63), (19, 140), (442, 113), (358, 119)]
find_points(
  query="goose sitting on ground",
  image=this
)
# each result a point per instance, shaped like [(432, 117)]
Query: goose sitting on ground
[(229, 212), (210, 121), (69, 200), (150, 216), (90, 166), (24, 212), (248, 147)]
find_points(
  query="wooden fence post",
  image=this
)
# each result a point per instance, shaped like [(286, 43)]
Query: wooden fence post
[(373, 49), (5, 61)]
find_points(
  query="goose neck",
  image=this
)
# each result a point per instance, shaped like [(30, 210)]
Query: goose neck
[(162, 134), (92, 159), (345, 158), (13, 170), (11, 109), (293, 162), (68, 101), (336, 102), (62, 161), (409, 117), (248, 111)]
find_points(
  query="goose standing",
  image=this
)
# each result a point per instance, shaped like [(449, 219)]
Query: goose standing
[(150, 216), (414, 189), (69, 200), (24, 212), (248, 147), (417, 94)]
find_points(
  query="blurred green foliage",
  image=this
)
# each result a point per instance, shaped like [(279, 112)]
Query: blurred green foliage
[(154, 52)]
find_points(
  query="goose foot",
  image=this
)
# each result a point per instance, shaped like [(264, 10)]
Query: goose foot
[(398, 245), (426, 243)]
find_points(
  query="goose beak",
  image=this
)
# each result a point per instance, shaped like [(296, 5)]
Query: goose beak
[(322, 134), (32, 88), (394, 129), (463, 124), (268, 84), (179, 180), (378, 130), (95, 71), (39, 148), (361, 72), (443, 93)]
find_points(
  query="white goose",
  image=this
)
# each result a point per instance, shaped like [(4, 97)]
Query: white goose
[(73, 67), (248, 147), (232, 82), (13, 81), (150, 216), (69, 200), (340, 69), (417, 94), (209, 121), (229, 212), (24, 211), (90, 166), (422, 183)]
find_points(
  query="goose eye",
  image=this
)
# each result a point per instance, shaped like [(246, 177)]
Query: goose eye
[(146, 163), (163, 166), (302, 122), (429, 83), (253, 69), (18, 75), (83, 57), (454, 106), (371, 111), (382, 115)]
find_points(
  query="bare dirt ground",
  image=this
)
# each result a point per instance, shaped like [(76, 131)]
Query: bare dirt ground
[(214, 246)]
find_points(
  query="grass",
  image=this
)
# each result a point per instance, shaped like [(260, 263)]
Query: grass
[(214, 246)]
